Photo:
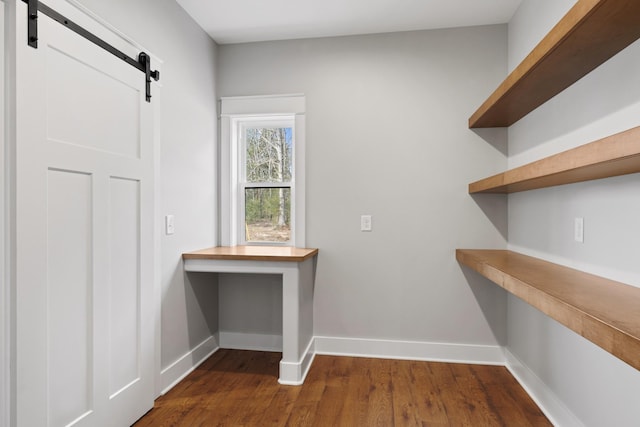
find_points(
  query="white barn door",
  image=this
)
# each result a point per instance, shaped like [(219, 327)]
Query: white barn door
[(84, 222)]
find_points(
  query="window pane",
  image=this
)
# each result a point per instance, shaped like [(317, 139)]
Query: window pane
[(268, 154), (267, 214)]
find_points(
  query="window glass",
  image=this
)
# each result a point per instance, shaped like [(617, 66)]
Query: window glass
[(268, 154), (267, 214)]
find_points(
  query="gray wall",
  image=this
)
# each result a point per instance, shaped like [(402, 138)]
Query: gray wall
[(598, 388), (187, 159), (387, 135)]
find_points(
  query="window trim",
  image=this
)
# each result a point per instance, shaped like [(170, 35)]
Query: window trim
[(272, 109)]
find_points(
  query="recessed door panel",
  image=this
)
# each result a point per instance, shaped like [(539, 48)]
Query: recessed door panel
[(69, 295), (78, 95), (124, 283)]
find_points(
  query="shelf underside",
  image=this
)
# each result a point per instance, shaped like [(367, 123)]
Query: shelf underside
[(588, 35), (603, 311), (615, 155)]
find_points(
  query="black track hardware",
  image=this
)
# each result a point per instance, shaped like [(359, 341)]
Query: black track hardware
[(142, 63)]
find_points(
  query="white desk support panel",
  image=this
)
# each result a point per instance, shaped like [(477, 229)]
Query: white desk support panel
[(297, 268)]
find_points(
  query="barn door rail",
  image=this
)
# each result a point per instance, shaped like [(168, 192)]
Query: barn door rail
[(142, 63)]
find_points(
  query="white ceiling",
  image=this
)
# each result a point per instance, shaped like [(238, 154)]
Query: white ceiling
[(237, 21)]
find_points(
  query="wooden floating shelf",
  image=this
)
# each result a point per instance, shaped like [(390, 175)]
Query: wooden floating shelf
[(615, 155), (588, 35), (603, 311)]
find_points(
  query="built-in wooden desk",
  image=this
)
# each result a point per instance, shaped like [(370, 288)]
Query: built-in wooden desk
[(253, 253), (297, 268)]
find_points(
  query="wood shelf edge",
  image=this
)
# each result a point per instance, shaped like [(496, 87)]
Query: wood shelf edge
[(614, 155), (587, 36), (601, 310), (252, 253)]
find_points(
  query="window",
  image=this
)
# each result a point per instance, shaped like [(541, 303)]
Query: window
[(266, 179), (262, 164)]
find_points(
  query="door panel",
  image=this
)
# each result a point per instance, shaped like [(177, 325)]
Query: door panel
[(72, 83), (124, 283), (84, 219), (69, 295)]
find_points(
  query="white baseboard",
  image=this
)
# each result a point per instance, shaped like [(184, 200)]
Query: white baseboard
[(178, 370), (545, 398), (295, 373), (411, 350), (257, 342)]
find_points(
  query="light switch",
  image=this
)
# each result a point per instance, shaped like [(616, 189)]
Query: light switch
[(365, 223), (578, 230), (169, 225)]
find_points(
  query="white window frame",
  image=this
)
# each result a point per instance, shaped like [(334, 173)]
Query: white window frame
[(237, 112)]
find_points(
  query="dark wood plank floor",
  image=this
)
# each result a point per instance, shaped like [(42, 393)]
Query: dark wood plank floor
[(240, 388)]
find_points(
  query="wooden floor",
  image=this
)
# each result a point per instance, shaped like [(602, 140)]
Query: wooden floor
[(240, 388)]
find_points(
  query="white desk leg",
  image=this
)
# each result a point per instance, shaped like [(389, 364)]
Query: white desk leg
[(289, 366), (297, 322)]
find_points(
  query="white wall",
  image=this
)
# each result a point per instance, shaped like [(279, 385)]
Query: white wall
[(387, 136), (597, 387), (187, 161)]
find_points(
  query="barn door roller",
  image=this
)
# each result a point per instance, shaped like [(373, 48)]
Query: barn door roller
[(142, 63)]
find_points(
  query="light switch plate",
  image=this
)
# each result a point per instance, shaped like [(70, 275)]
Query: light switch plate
[(169, 225), (365, 223), (578, 230)]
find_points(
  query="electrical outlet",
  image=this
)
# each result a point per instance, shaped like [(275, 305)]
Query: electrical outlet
[(578, 230), (365, 223)]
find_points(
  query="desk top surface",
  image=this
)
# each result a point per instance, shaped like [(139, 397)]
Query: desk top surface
[(253, 253)]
